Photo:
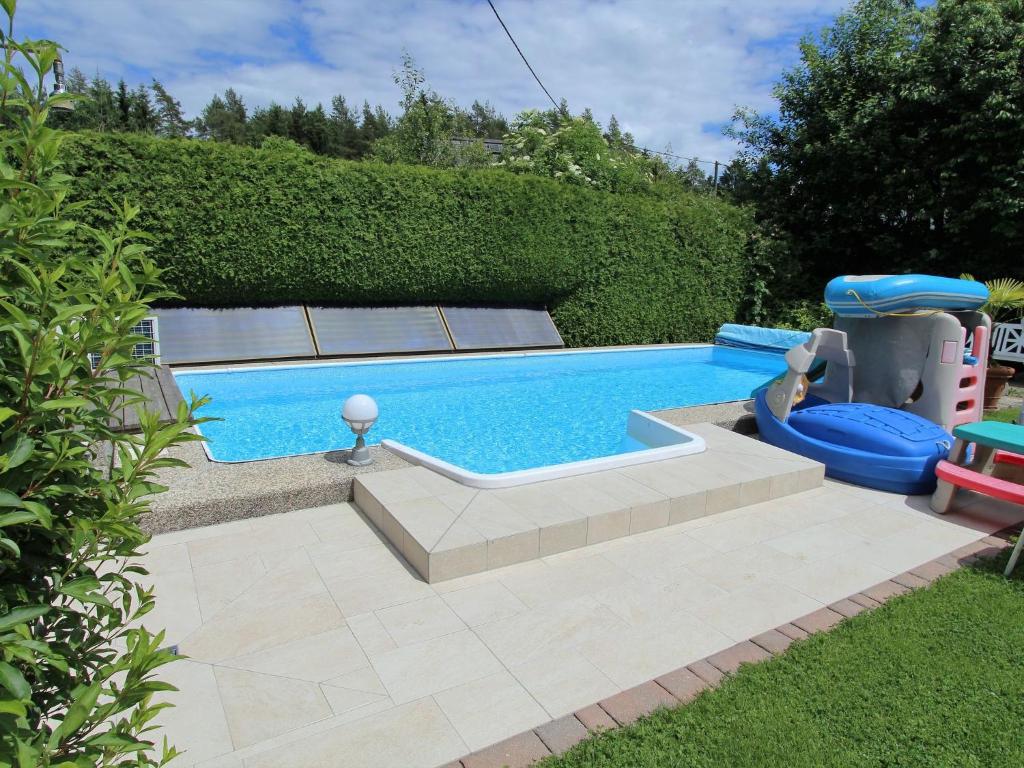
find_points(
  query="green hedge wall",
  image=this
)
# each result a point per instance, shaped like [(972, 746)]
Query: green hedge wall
[(247, 227)]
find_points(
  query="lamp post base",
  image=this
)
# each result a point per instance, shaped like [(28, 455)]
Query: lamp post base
[(360, 456)]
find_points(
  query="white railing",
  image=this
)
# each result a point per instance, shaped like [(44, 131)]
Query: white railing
[(1008, 342)]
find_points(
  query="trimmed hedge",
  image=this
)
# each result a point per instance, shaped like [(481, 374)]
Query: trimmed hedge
[(236, 226)]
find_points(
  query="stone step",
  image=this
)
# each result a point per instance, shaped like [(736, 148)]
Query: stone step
[(446, 530)]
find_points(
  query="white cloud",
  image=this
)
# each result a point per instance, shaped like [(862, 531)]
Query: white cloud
[(665, 69)]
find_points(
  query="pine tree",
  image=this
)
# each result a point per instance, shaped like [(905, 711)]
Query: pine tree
[(376, 124), (297, 122), (123, 105), (486, 122), (169, 116), (317, 130), (614, 133), (224, 119), (268, 121), (142, 117), (101, 102), (343, 130)]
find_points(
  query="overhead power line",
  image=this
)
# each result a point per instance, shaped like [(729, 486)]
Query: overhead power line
[(521, 54), (559, 107)]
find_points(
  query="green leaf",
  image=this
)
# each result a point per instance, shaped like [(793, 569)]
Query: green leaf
[(22, 615), (79, 711), (41, 511), (64, 402), (21, 452), (84, 589), (6, 413), (14, 681), (10, 706), (8, 499), (9, 6), (16, 518)]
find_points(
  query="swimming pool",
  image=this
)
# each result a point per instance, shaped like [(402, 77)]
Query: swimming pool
[(488, 414)]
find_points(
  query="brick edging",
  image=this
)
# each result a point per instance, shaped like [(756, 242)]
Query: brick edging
[(686, 683)]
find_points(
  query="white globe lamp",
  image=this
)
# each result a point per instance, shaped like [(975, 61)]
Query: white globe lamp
[(360, 413)]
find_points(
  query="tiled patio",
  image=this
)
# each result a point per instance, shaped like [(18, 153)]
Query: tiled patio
[(312, 643)]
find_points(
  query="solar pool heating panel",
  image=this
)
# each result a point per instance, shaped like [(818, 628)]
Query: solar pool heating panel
[(493, 328), (227, 335), (378, 330)]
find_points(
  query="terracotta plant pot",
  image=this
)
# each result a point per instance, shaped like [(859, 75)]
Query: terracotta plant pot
[(997, 377)]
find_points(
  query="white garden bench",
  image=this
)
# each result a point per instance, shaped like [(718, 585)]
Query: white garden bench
[(1008, 342)]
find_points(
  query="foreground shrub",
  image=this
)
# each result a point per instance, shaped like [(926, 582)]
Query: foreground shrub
[(76, 683), (235, 226)]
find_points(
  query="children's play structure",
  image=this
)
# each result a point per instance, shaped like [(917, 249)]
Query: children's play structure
[(904, 364), (996, 446)]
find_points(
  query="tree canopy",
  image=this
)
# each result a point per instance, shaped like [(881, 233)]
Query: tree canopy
[(899, 143)]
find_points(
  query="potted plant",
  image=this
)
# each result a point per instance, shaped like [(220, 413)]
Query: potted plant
[(1005, 303)]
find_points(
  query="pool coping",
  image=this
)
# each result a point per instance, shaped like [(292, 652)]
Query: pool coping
[(446, 530)]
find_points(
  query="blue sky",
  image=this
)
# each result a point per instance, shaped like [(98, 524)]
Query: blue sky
[(672, 72)]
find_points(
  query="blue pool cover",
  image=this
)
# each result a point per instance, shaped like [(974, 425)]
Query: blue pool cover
[(754, 337), (486, 414)]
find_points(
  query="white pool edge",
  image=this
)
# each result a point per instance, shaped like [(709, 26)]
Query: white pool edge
[(679, 442)]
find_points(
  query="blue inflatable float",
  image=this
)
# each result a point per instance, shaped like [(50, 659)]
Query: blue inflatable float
[(874, 295)]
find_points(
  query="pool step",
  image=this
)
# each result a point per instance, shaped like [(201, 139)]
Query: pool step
[(446, 530)]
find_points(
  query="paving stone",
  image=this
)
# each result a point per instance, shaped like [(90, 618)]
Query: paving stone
[(562, 734), (848, 608), (820, 620), (730, 660), (883, 591), (997, 540), (630, 705), (948, 560), (985, 553), (910, 581), (773, 641), (968, 551), (517, 752), (862, 599), (791, 631), (595, 719), (706, 672), (683, 684), (932, 570)]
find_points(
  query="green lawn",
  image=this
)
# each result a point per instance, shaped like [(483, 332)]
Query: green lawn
[(934, 678), (1009, 415)]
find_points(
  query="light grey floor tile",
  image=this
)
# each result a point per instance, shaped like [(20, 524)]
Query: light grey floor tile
[(419, 620), (314, 658), (753, 610), (490, 709), (416, 735), (196, 724), (564, 681), (412, 671), (259, 707), (485, 602)]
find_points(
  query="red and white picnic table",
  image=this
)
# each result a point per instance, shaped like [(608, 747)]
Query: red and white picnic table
[(994, 443)]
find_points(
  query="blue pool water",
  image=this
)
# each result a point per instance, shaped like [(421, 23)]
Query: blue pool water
[(486, 414)]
